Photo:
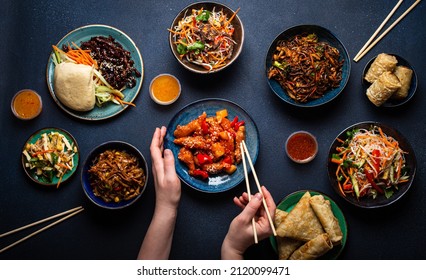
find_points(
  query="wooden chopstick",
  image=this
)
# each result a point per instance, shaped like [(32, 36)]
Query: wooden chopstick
[(259, 188), (248, 191), (40, 221), (73, 212), (387, 30), (378, 29)]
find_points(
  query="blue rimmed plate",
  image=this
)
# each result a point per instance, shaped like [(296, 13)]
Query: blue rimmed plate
[(288, 203), (80, 35), (221, 182), (324, 35), (32, 174)]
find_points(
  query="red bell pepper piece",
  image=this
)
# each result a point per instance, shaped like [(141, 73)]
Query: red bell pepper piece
[(200, 173), (204, 127), (376, 161), (347, 187), (371, 181), (238, 124), (234, 121), (227, 160), (203, 158)]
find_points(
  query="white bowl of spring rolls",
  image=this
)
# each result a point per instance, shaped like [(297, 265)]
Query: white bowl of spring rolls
[(389, 80), (309, 225)]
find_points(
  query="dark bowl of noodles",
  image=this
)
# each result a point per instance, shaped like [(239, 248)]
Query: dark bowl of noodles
[(114, 175), (313, 71), (206, 37)]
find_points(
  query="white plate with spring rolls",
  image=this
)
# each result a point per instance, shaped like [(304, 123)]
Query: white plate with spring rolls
[(389, 80), (310, 225)]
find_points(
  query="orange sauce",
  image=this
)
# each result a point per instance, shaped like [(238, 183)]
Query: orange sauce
[(27, 104), (165, 88)]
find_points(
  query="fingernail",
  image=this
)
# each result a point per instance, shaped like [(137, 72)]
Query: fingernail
[(258, 196)]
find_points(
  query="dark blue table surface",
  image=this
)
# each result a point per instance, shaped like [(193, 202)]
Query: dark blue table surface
[(29, 28)]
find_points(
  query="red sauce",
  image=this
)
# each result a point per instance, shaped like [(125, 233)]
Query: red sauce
[(301, 146)]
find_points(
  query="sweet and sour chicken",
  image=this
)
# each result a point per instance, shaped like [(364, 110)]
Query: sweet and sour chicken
[(210, 145)]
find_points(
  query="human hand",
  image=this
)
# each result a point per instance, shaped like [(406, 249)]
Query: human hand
[(240, 234), (167, 183)]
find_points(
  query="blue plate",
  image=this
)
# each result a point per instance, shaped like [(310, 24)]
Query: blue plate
[(85, 177), (324, 35), (221, 182), (288, 203), (413, 85), (80, 35)]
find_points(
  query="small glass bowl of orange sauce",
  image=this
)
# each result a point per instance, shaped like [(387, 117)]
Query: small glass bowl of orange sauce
[(165, 89), (26, 104), (301, 146)]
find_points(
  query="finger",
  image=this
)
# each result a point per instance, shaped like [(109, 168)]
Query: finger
[(155, 142), (245, 196), (269, 199), (238, 202), (156, 155), (252, 207), (169, 161), (163, 132)]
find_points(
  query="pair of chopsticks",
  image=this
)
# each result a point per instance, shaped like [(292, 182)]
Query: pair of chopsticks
[(366, 48), (70, 213), (244, 150)]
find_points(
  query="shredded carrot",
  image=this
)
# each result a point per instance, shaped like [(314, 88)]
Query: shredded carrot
[(42, 152), (122, 102), (63, 166), (232, 17), (338, 161)]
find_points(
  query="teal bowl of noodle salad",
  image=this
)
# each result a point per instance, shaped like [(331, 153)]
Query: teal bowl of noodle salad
[(206, 37), (114, 175)]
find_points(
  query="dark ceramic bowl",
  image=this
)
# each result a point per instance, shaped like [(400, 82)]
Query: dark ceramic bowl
[(85, 176), (324, 35), (380, 200), (237, 36), (392, 102)]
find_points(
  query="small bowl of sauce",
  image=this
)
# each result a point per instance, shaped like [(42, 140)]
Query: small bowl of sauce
[(26, 104), (165, 89), (301, 146)]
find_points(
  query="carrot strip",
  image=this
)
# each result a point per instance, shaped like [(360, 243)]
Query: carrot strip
[(42, 152), (122, 102)]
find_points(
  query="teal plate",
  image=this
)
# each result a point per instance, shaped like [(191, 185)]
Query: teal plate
[(33, 138), (222, 181), (80, 35), (288, 203)]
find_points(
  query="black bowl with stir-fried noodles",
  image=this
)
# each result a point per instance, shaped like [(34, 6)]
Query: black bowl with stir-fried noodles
[(307, 66), (114, 175), (206, 37)]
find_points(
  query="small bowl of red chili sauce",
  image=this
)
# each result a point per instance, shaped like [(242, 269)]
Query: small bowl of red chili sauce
[(301, 146)]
